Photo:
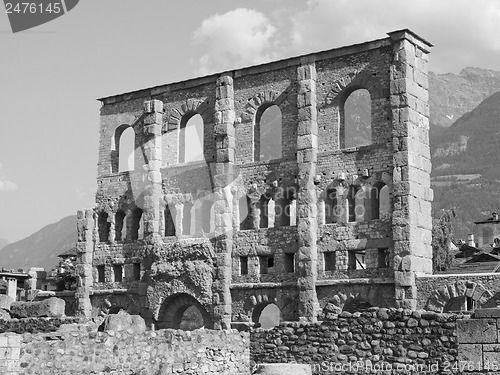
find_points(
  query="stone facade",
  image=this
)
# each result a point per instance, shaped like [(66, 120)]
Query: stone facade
[(232, 233)]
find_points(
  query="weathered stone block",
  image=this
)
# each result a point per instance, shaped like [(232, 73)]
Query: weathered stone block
[(477, 331), (123, 321), (51, 307), (5, 301), (471, 353), (493, 312)]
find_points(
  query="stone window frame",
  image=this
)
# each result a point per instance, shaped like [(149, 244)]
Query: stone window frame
[(115, 147), (340, 91)]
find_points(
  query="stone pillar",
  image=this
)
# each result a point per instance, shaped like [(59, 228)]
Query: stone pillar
[(412, 195), (10, 351), (224, 175), (12, 287), (153, 120), (307, 227), (84, 248)]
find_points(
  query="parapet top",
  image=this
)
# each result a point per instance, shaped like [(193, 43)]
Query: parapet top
[(273, 65)]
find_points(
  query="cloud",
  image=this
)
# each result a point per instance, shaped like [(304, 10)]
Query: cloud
[(464, 32), (5, 183), (234, 39)]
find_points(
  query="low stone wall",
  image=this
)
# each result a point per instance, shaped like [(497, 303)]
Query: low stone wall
[(78, 349), (397, 341)]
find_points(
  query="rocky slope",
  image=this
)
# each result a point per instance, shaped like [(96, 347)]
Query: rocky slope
[(41, 248), (452, 95)]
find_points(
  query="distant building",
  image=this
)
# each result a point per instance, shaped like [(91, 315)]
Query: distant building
[(487, 231), (12, 283)]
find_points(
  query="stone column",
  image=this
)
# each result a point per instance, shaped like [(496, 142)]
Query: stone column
[(153, 119), (12, 287), (307, 227), (412, 195), (84, 248), (224, 175)]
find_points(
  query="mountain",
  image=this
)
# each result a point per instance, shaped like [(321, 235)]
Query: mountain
[(453, 95), (466, 166), (3, 243), (41, 248)]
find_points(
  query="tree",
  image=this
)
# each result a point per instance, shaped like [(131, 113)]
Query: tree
[(442, 235), (67, 280)]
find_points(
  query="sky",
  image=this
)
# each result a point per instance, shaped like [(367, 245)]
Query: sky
[(51, 75)]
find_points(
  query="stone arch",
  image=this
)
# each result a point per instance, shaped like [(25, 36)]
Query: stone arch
[(259, 309), (173, 308), (255, 303), (191, 105), (269, 97), (440, 297), (345, 86)]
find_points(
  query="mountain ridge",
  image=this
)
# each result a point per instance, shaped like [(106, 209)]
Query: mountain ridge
[(41, 248)]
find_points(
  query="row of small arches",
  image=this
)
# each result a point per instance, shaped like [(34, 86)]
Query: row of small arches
[(356, 203), (360, 204)]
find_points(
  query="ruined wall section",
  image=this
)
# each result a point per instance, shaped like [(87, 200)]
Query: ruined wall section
[(311, 92)]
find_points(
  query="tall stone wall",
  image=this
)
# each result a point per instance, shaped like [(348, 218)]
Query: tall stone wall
[(228, 201)]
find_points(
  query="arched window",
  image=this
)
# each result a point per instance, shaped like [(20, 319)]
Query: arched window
[(104, 227), (379, 200), (267, 134), (351, 202), (206, 213), (282, 212), (356, 120), (191, 138), (186, 218), (119, 227), (136, 229), (266, 316), (460, 303), (331, 205), (169, 220), (487, 236), (264, 212), (124, 147), (244, 212)]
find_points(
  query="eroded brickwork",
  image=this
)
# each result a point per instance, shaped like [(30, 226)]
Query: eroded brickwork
[(232, 232)]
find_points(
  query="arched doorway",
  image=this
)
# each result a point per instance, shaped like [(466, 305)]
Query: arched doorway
[(181, 311)]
